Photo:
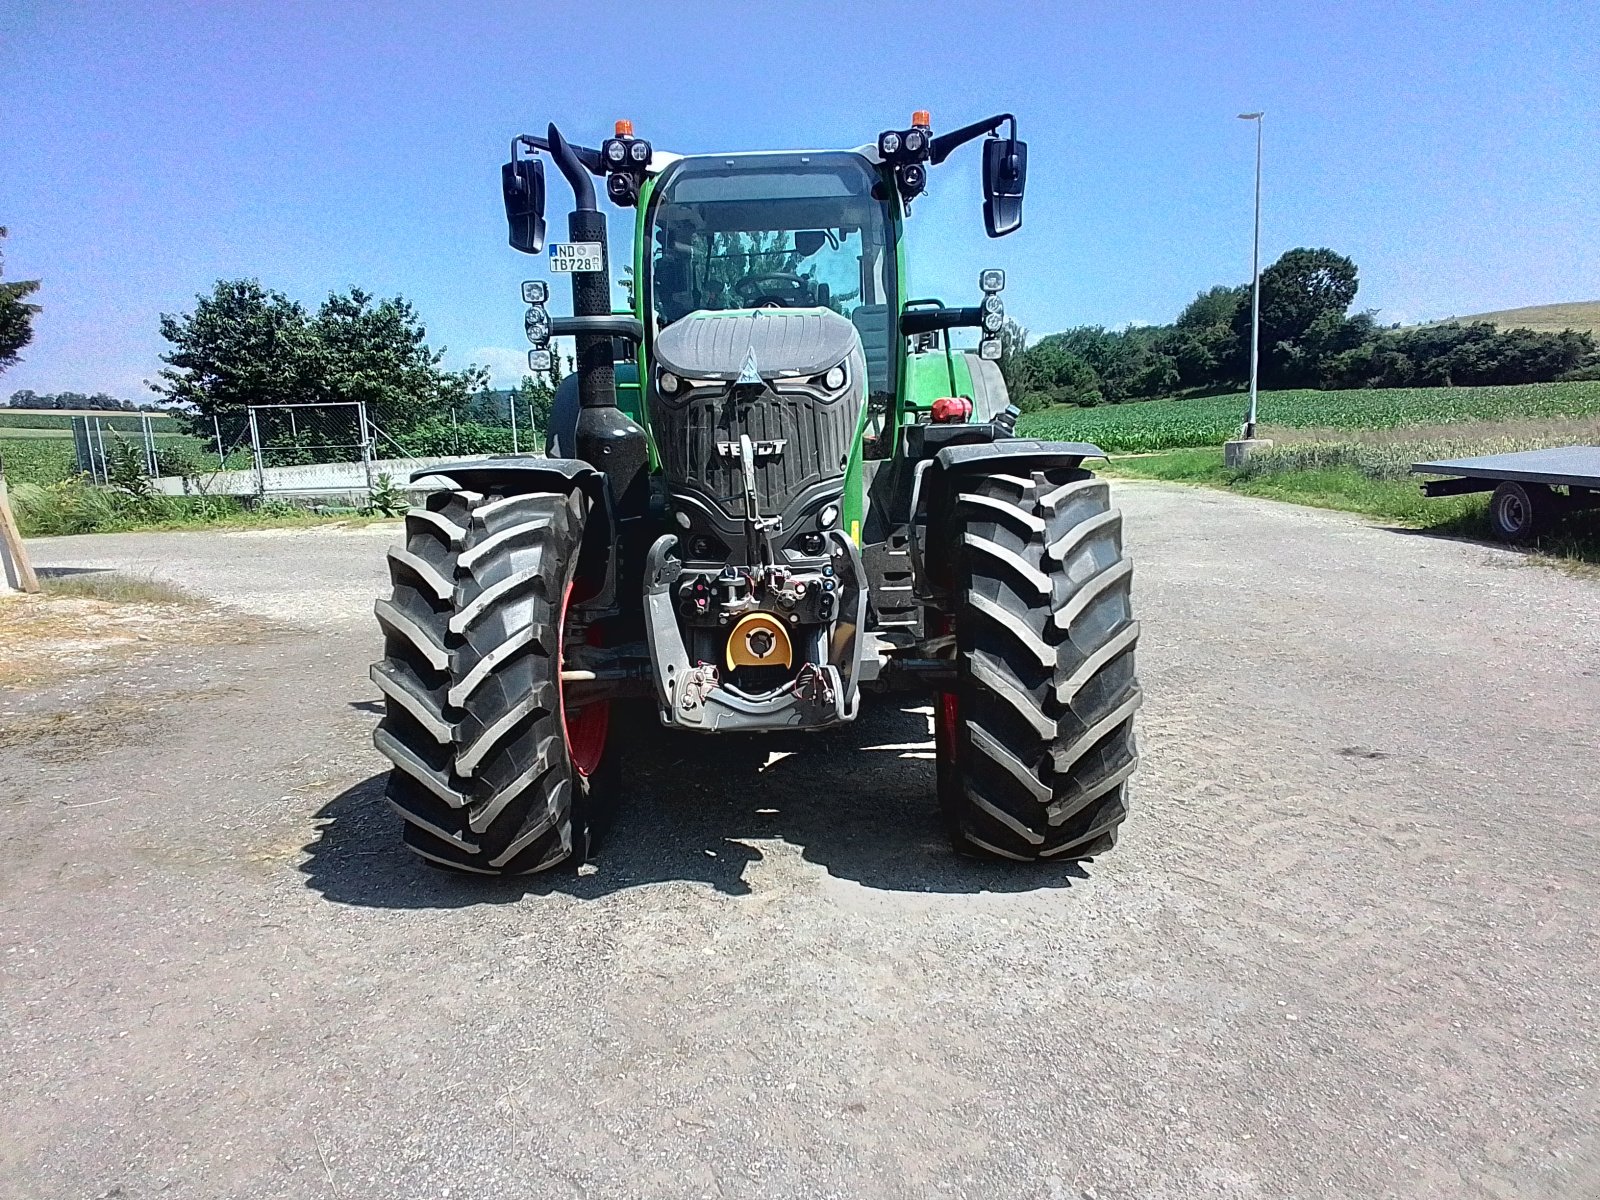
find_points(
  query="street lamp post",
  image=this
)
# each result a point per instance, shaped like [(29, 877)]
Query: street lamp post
[(1255, 284)]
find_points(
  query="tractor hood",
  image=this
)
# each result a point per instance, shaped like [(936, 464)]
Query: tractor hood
[(756, 344)]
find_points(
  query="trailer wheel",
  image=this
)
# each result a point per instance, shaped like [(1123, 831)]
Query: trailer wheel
[(493, 772), (1519, 512), (1036, 744)]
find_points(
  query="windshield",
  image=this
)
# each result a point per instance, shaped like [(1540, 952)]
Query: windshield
[(775, 231)]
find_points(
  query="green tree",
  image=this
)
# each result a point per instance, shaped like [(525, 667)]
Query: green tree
[(1213, 307), (376, 351), (1014, 359), (1304, 287), (537, 397), (1057, 374), (246, 345), (16, 315), (242, 345)]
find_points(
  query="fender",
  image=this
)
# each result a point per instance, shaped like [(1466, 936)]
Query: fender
[(513, 475), (937, 484)]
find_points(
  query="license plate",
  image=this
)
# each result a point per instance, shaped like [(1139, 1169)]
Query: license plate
[(573, 257)]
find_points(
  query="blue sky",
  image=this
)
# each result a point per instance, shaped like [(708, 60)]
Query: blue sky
[(1452, 149)]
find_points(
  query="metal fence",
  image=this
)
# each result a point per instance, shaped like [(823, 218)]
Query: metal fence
[(288, 449), (309, 435), (98, 442)]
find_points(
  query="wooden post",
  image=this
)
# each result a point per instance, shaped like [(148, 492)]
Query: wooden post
[(14, 564)]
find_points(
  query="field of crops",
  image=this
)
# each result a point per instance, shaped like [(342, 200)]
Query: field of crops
[(1211, 420), (34, 455), (37, 460), (12, 422)]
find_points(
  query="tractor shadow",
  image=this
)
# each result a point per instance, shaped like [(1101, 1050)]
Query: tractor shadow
[(857, 801)]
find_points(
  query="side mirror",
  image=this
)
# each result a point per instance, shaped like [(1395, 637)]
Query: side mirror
[(1005, 177), (808, 241), (522, 183)]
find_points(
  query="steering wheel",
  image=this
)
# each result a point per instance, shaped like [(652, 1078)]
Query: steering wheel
[(774, 289)]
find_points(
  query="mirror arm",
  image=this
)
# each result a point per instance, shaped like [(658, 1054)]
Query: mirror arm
[(927, 320), (947, 143)]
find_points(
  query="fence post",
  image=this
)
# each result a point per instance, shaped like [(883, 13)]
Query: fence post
[(100, 436), (82, 448), (152, 467), (255, 446), (366, 443), (222, 459), (511, 404)]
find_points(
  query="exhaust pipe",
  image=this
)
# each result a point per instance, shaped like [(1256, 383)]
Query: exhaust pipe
[(606, 438)]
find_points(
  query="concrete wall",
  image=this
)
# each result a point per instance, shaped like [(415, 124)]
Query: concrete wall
[(334, 483)]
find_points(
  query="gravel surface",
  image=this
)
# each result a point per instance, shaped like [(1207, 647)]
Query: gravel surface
[(1347, 946)]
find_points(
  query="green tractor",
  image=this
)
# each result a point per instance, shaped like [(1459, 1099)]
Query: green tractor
[(773, 487)]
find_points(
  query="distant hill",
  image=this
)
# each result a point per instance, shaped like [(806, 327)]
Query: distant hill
[(1550, 318)]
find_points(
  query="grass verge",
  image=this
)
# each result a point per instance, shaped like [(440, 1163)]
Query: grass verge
[(114, 587), (72, 506), (1574, 542)]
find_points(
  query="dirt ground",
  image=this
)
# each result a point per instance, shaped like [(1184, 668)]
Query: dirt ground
[(1346, 947)]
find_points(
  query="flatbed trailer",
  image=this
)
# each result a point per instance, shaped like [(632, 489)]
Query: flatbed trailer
[(1531, 487)]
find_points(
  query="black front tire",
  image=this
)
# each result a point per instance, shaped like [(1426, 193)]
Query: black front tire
[(1036, 742), (484, 774)]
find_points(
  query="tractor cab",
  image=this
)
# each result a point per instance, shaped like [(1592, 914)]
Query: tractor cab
[(811, 230)]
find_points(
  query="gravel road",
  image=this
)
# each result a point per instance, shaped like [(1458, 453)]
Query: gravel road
[(1347, 946)]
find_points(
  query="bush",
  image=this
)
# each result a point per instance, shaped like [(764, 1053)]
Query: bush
[(387, 500), (76, 506), (277, 507), (67, 507), (436, 438)]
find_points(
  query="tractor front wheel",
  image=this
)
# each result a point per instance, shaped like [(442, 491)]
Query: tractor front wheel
[(494, 772), (1035, 743)]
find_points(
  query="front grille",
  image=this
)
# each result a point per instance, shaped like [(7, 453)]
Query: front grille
[(814, 433)]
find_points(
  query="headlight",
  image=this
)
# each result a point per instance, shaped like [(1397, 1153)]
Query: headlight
[(889, 144), (617, 151), (834, 379), (991, 304), (992, 280), (639, 152), (536, 324), (914, 142), (667, 382), (535, 291), (828, 516), (992, 321), (990, 349)]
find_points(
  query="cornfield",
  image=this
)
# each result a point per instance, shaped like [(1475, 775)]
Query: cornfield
[(1211, 420)]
